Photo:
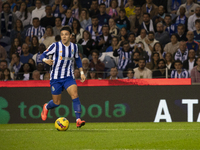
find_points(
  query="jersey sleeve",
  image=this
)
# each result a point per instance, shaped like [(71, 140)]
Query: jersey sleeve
[(51, 50), (76, 51)]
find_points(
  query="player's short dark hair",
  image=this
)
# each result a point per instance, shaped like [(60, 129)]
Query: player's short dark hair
[(95, 51), (122, 10), (151, 32), (197, 21), (94, 17), (67, 28), (178, 61), (146, 14), (168, 16), (36, 18)]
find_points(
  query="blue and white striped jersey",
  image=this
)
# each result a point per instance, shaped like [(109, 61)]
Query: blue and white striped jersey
[(63, 57), (179, 56), (90, 29), (39, 32), (183, 74), (124, 58)]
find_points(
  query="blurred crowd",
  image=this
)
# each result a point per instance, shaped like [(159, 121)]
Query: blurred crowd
[(117, 39)]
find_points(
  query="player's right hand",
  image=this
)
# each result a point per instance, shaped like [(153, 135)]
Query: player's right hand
[(49, 62)]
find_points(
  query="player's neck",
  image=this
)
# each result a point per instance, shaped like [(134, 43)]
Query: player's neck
[(66, 44)]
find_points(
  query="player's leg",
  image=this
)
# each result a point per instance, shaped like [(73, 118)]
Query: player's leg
[(56, 89), (73, 92)]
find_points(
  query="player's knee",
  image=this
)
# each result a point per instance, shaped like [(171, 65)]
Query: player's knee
[(57, 102), (75, 95)]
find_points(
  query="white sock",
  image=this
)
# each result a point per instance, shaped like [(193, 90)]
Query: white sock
[(77, 119)]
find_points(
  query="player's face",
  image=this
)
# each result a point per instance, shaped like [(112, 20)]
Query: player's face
[(65, 36)]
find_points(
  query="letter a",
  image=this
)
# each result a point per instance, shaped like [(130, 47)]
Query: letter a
[(162, 106)]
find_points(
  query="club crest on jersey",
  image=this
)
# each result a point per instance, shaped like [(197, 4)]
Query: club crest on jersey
[(72, 52), (53, 89)]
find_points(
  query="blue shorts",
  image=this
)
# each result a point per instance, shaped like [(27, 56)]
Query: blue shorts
[(58, 85)]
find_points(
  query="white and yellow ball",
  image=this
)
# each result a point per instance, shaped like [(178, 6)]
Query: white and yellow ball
[(62, 124)]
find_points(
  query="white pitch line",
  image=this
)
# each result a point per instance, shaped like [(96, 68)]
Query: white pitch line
[(102, 129)]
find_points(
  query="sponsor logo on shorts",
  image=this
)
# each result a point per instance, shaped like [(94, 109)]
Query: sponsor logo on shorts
[(53, 89)]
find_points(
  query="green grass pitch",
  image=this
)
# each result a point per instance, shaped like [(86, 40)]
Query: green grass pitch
[(94, 136)]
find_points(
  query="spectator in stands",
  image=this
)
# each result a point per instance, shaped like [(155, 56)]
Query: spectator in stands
[(103, 17), (36, 30), (84, 18), (87, 43), (34, 45), (123, 35), (190, 7), (169, 61), (58, 26), (147, 24), (77, 30), (142, 71), (114, 44), (86, 4), (124, 3), (36, 57), (80, 48), (38, 12), (68, 19), (106, 2), (191, 19), (190, 62), (92, 74), (159, 49), (161, 35), (131, 40), (113, 10), (77, 74), (141, 49), (181, 33), (123, 21), (48, 38), (141, 37), (178, 72), (32, 62), (173, 5), (195, 73), (18, 31), (95, 11), (26, 55), (49, 19), (153, 64), (182, 53), (134, 62), (47, 76), (23, 14), (105, 39), (114, 30), (113, 74), (96, 63), (136, 20), (36, 75), (149, 42), (124, 57), (59, 8), (6, 75), (197, 31), (3, 64), (25, 72), (85, 63), (130, 74), (181, 19), (76, 8), (41, 68), (173, 46), (15, 64), (191, 44), (13, 5), (150, 7), (161, 70), (95, 29), (169, 27), (160, 16), (16, 47), (7, 22), (130, 10), (3, 53)]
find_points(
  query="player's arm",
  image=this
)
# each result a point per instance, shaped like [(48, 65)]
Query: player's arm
[(45, 54), (79, 65)]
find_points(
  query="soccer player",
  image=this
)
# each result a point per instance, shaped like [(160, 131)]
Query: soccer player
[(62, 75)]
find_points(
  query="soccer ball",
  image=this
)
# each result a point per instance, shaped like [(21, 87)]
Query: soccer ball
[(62, 124)]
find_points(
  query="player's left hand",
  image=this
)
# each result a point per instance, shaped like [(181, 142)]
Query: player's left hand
[(83, 78)]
